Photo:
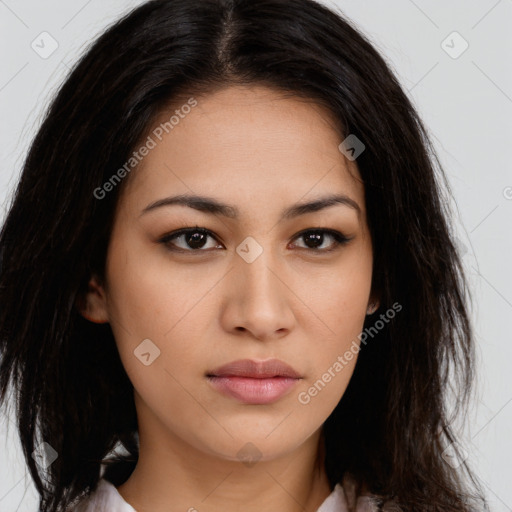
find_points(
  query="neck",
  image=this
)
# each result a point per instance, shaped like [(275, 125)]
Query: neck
[(173, 475)]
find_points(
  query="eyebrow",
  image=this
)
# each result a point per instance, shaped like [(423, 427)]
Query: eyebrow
[(214, 207)]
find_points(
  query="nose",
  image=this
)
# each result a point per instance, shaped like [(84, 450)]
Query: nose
[(259, 299)]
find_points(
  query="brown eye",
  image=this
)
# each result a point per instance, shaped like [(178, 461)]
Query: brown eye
[(315, 239), (189, 239)]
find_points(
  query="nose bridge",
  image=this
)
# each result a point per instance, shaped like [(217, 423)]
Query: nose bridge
[(257, 265), (261, 296)]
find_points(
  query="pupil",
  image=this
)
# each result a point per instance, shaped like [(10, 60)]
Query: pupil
[(316, 238), (196, 240)]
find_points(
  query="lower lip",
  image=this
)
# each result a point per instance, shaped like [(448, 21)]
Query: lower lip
[(254, 391)]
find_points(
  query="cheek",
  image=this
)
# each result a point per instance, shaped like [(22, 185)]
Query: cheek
[(339, 303), (332, 358), (336, 297), (152, 299), (150, 313), (148, 296)]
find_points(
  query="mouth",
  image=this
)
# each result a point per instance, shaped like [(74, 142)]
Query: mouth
[(254, 382)]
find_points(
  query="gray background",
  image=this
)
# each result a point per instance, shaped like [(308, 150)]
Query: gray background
[(465, 101)]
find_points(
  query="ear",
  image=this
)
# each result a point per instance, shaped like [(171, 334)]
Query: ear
[(94, 305), (373, 303)]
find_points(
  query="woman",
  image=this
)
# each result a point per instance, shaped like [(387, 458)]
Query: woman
[(228, 254)]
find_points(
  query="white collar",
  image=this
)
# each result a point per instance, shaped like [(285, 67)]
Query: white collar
[(106, 498)]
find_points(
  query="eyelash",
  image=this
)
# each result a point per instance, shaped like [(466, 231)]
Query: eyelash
[(339, 239)]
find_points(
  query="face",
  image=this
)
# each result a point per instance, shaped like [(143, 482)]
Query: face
[(263, 277)]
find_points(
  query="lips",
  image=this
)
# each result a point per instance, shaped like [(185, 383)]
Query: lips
[(256, 369), (254, 382)]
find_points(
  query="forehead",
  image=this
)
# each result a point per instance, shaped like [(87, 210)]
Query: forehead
[(247, 142)]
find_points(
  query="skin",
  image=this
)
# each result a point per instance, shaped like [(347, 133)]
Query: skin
[(261, 152)]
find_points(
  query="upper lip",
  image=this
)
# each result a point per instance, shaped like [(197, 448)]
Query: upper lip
[(255, 369)]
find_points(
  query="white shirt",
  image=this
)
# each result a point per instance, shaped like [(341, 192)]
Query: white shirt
[(106, 498)]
